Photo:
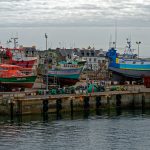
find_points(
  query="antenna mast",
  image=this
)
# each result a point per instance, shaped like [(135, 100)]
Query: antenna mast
[(110, 41), (115, 33), (15, 41)]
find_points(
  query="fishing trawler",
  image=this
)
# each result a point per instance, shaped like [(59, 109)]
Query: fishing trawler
[(66, 73), (128, 66), (14, 77), (18, 56)]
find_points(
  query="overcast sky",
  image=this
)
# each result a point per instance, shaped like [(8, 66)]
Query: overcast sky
[(74, 12), (66, 20)]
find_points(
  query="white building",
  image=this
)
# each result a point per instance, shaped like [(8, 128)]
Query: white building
[(95, 58)]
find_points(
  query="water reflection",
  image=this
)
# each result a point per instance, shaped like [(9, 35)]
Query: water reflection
[(45, 117), (85, 130), (118, 111), (86, 114)]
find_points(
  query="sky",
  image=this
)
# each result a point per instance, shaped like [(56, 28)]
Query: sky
[(76, 23)]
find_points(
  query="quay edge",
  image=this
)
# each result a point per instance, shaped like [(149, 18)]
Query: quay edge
[(31, 103)]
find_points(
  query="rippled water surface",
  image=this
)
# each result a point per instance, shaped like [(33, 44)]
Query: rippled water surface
[(85, 131)]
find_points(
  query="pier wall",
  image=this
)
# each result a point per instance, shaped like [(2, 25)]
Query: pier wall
[(22, 104)]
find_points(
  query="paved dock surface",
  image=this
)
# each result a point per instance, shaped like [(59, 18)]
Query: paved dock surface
[(32, 93)]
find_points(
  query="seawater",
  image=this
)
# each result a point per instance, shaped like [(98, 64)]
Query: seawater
[(101, 130)]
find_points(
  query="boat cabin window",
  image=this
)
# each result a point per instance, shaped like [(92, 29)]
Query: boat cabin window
[(134, 62), (142, 62)]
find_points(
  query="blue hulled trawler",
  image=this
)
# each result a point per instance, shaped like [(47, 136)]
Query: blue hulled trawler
[(128, 66)]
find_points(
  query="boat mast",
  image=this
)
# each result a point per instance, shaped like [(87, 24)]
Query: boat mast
[(116, 33), (110, 41), (15, 41), (129, 46)]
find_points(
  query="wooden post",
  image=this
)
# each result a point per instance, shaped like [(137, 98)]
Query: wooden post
[(98, 102), (118, 100), (133, 102), (58, 105), (86, 107), (143, 104), (19, 107), (45, 105), (143, 101), (86, 104), (45, 110), (71, 106), (58, 108), (11, 110), (11, 104)]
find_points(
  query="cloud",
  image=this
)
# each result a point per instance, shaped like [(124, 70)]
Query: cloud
[(70, 12)]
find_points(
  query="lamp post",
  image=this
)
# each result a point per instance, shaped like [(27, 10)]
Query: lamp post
[(138, 43), (46, 63)]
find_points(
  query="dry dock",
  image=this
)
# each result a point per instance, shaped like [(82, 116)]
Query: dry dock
[(22, 103)]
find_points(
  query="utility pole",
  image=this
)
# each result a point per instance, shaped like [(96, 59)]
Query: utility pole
[(138, 43), (46, 63)]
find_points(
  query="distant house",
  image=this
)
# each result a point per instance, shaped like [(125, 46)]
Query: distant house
[(65, 53), (47, 58), (94, 58), (30, 51)]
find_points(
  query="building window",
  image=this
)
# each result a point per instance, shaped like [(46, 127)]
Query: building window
[(103, 61), (90, 59), (99, 61), (94, 59), (92, 53)]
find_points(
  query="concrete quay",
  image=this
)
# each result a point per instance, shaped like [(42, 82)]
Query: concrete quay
[(23, 103)]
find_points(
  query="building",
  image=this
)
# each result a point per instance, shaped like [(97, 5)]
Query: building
[(94, 58)]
